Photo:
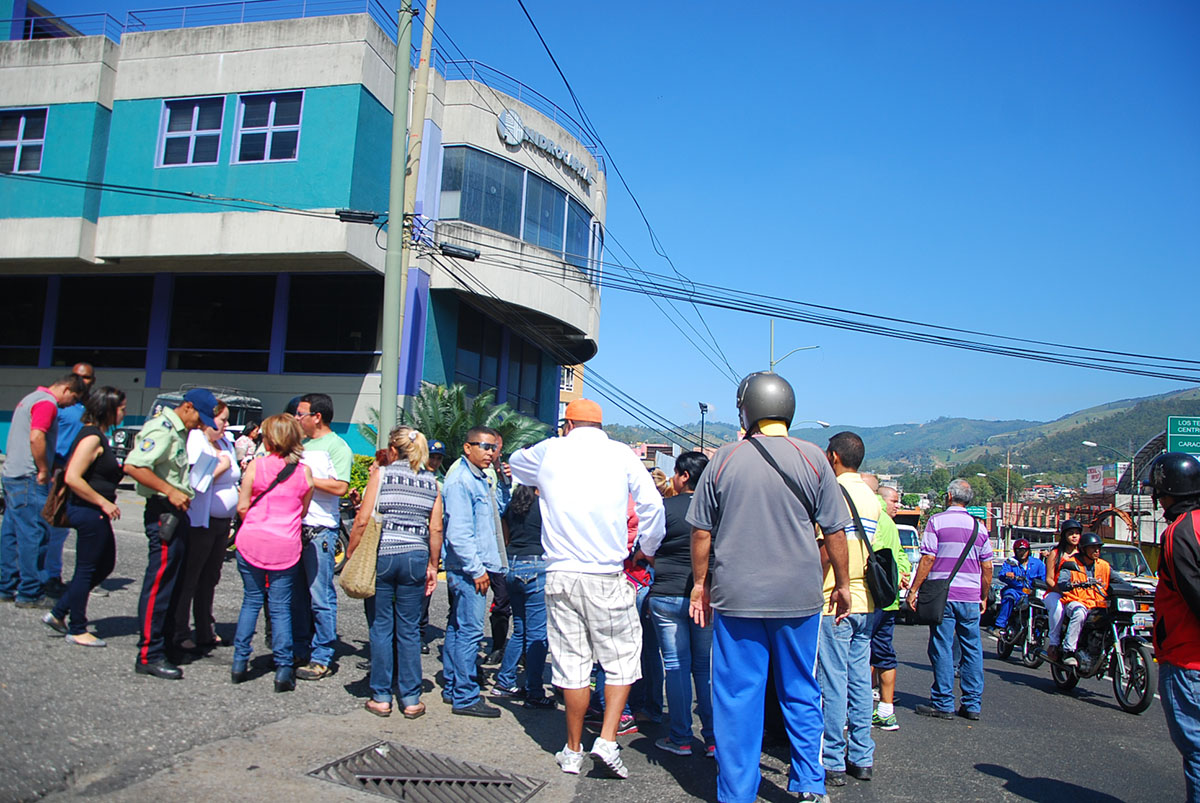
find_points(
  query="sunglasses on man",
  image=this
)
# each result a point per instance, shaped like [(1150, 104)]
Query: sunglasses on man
[(487, 447)]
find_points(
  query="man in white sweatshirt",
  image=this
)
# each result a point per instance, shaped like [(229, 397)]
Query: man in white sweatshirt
[(585, 481)]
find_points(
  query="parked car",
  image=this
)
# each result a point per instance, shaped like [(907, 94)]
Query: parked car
[(910, 542), (242, 408)]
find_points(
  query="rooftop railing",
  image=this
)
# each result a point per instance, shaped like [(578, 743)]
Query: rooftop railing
[(229, 13), (28, 28)]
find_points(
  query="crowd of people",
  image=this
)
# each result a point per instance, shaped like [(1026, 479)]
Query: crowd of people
[(763, 580)]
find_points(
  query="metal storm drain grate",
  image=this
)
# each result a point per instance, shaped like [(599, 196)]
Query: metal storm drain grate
[(405, 773)]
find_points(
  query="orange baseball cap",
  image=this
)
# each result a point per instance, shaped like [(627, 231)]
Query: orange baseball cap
[(584, 410)]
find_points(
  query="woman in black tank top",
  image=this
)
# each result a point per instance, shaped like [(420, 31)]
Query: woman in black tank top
[(92, 475)]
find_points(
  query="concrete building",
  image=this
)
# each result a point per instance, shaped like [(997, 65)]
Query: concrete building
[(168, 213)]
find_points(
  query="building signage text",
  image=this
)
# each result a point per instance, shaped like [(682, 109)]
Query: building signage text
[(514, 132)]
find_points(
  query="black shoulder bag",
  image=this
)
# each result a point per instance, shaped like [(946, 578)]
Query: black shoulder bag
[(792, 485), (880, 572), (932, 595)]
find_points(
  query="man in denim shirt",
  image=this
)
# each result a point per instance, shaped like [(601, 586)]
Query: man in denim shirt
[(473, 547)]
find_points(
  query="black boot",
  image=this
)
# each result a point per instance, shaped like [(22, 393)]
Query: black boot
[(500, 622)]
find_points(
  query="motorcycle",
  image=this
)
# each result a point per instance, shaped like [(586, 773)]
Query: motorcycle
[(1109, 644), (1028, 628)]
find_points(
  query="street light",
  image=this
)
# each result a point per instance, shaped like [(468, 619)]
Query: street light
[(773, 361), (824, 424), (703, 412), (1133, 488)]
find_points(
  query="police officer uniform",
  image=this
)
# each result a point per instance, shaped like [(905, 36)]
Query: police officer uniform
[(161, 446)]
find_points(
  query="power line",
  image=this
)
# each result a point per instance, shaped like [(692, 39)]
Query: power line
[(246, 204), (739, 301), (654, 241), (603, 387), (695, 342)]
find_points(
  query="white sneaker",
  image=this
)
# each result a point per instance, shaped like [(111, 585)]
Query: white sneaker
[(606, 756), (570, 760)]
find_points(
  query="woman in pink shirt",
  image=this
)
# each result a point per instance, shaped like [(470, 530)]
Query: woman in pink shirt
[(274, 499)]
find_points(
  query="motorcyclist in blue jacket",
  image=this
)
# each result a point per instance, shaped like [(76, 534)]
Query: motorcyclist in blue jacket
[(1017, 574)]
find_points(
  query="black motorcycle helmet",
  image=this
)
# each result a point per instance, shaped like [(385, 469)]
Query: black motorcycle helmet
[(1090, 539), (1174, 474), (765, 395), (1069, 524)]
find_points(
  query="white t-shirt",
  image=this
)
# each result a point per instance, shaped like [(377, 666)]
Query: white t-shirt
[(219, 500)]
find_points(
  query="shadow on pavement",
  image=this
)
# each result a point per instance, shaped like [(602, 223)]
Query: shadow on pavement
[(1041, 789), (115, 626)]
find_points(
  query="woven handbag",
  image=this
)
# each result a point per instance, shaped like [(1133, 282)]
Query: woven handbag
[(358, 575)]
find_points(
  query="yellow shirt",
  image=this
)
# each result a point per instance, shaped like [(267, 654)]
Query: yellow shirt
[(867, 504)]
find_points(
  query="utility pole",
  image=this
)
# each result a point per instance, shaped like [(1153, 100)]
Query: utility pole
[(1004, 512), (703, 412), (395, 278)]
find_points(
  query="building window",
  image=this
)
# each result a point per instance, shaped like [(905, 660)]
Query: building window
[(493, 192), (333, 324), (477, 356), (22, 135), (484, 189), (21, 322), (579, 226), (544, 209), (191, 131), (220, 323), (524, 376), (566, 382), (269, 127), (103, 320)]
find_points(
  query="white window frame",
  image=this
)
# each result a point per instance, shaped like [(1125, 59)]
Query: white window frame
[(20, 143), (566, 379), (269, 129), (191, 133)]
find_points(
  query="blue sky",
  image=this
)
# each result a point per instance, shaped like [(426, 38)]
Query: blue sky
[(1026, 168)]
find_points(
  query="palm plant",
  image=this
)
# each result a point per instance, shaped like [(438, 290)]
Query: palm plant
[(447, 414)]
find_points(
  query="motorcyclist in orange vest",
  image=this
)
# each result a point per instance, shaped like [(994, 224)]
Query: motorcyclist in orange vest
[(1084, 582)]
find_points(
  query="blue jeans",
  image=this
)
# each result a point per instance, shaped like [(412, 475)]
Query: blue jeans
[(95, 556), (1179, 689), (24, 536), (527, 592), (742, 651), (316, 573), (52, 568), (396, 628), (279, 606), (646, 695), (959, 628), (844, 670), (464, 632), (1008, 600), (687, 658)]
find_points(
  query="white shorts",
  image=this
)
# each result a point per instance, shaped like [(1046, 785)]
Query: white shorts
[(592, 618)]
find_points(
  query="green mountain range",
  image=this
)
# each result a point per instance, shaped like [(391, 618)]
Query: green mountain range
[(1051, 446)]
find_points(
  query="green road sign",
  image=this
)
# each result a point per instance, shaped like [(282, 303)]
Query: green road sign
[(978, 511), (1183, 425), (1184, 443)]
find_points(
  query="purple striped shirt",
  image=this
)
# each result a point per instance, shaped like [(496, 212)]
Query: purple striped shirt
[(945, 536)]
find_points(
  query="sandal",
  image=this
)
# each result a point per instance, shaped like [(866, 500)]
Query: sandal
[(412, 712), (380, 709), (217, 641)]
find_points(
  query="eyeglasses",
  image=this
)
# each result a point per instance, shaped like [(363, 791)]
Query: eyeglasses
[(487, 447), (302, 415)]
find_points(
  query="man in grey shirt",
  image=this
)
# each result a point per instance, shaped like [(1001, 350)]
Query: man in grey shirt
[(765, 585)]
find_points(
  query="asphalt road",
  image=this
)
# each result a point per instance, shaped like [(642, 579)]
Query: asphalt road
[(78, 723)]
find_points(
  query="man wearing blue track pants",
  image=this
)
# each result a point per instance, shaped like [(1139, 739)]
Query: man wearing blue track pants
[(755, 512)]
